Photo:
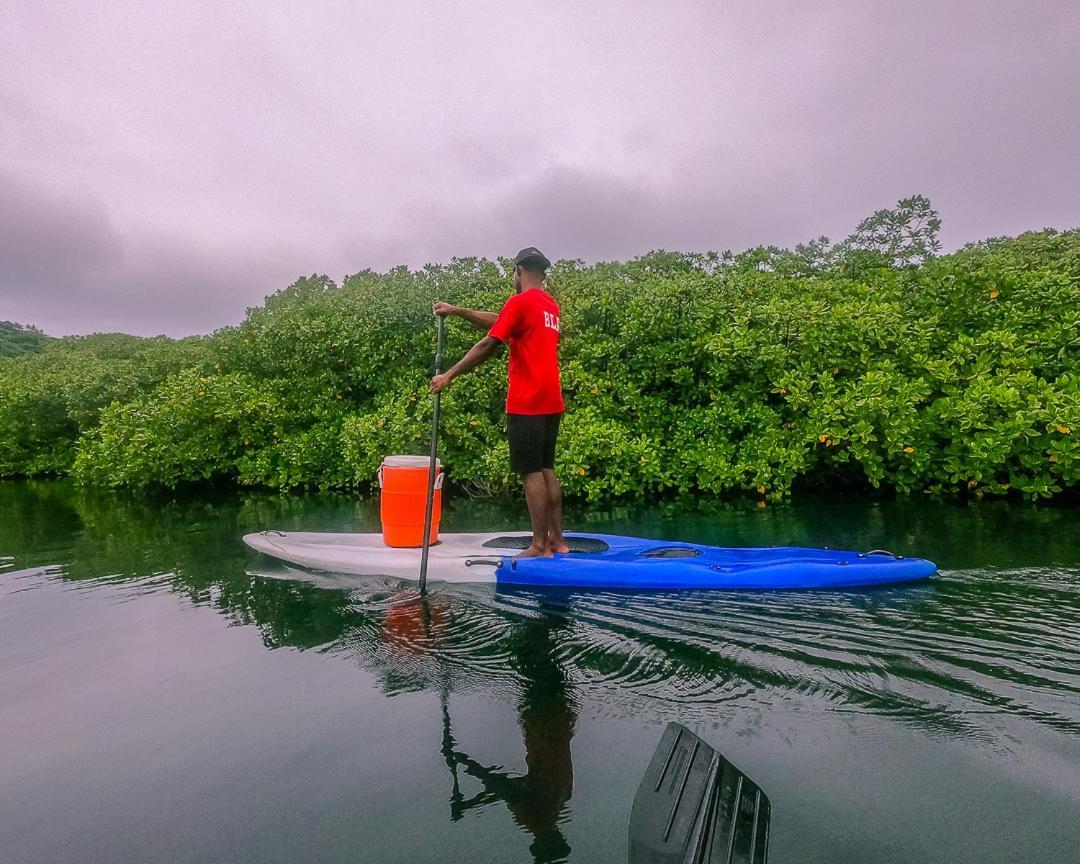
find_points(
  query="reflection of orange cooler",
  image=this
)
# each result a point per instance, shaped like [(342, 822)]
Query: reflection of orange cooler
[(403, 484), (413, 625)]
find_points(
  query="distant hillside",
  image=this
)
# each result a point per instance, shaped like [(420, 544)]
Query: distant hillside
[(18, 339)]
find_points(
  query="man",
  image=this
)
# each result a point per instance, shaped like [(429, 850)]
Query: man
[(529, 322)]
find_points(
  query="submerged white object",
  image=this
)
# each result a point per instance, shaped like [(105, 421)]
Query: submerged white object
[(455, 558)]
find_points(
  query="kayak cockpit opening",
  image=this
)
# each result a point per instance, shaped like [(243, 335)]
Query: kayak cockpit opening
[(671, 552)]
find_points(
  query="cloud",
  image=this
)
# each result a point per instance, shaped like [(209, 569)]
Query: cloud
[(576, 213), (65, 267), (48, 240)]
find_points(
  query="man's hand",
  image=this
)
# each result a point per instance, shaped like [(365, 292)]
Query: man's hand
[(481, 320), (440, 382)]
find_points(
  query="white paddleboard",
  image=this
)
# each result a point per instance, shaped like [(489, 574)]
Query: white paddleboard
[(455, 558)]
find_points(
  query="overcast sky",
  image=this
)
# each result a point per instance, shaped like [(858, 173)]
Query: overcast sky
[(165, 165)]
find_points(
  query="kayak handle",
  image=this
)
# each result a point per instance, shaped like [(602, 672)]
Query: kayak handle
[(880, 552), (490, 562)]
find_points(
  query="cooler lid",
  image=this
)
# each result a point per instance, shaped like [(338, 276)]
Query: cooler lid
[(410, 462)]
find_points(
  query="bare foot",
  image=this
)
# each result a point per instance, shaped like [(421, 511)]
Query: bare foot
[(557, 543), (535, 552)]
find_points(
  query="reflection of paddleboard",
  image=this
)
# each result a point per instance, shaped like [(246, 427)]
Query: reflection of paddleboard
[(595, 561)]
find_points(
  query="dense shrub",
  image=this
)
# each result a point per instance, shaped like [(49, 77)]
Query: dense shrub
[(192, 427), (684, 374), (49, 399)]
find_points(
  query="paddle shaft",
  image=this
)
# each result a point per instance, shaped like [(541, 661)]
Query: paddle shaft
[(431, 464)]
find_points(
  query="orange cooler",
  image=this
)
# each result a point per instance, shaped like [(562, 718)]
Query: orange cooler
[(403, 485)]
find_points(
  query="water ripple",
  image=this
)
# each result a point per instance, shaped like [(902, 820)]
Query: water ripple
[(951, 657)]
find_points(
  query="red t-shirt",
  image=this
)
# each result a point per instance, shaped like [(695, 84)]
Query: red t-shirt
[(529, 321)]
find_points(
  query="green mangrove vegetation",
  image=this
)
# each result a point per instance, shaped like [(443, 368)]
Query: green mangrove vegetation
[(874, 362), (16, 339)]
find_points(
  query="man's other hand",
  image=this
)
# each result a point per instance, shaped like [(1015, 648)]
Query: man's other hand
[(440, 382), (441, 308)]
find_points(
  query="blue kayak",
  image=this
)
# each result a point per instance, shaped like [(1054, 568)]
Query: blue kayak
[(656, 565)]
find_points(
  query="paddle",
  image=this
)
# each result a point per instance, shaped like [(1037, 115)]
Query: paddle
[(431, 464), (693, 807)]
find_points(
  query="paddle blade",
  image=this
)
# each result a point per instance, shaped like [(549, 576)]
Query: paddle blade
[(693, 807)]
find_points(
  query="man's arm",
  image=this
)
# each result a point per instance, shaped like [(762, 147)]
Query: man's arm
[(476, 355), (482, 320)]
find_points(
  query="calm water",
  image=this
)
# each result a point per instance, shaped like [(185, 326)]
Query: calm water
[(165, 696)]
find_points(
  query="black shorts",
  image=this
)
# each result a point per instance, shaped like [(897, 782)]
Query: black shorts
[(532, 441)]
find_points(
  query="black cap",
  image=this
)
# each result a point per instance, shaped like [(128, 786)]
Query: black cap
[(532, 255)]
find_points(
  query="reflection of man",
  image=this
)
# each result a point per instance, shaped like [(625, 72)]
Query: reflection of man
[(529, 322), (537, 799)]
